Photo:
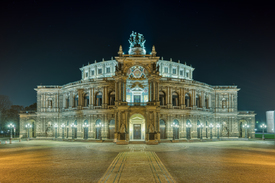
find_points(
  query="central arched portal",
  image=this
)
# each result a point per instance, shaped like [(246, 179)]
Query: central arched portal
[(137, 127)]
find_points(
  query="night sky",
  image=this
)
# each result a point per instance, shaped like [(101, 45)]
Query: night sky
[(46, 42)]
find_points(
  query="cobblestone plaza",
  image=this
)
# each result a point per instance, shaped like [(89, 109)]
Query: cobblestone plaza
[(58, 161)]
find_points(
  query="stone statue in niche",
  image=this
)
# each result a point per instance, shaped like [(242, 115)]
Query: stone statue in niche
[(151, 128), (49, 130), (122, 128)]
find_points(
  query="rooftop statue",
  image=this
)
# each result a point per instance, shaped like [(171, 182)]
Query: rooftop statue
[(136, 41)]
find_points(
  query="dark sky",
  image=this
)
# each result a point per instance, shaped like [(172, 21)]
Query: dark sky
[(46, 42)]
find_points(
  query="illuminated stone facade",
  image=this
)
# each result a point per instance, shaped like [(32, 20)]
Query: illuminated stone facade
[(137, 97)]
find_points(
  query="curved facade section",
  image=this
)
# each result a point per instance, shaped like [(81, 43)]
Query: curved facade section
[(137, 97)]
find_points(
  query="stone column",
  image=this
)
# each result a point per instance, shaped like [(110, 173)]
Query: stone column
[(64, 100), (154, 91), (91, 97), (80, 97), (44, 101), (166, 96), (106, 96), (119, 90), (124, 90), (116, 91), (202, 99), (157, 88), (149, 90), (71, 99), (170, 98)]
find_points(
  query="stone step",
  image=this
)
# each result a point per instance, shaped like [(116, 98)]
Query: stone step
[(137, 142)]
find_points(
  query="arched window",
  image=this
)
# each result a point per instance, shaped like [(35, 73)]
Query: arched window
[(76, 101), (188, 130), (206, 102), (187, 100), (98, 99), (198, 101), (50, 103), (198, 129), (162, 129), (162, 98), (175, 99), (224, 103), (86, 100), (112, 129), (175, 129), (112, 122), (176, 122), (161, 122), (98, 129), (67, 102), (112, 98)]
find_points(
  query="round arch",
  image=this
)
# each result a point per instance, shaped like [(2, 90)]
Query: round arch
[(98, 126), (111, 129), (241, 129), (175, 126), (162, 126)]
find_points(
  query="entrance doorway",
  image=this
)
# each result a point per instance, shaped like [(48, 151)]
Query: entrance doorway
[(137, 127), (137, 132)]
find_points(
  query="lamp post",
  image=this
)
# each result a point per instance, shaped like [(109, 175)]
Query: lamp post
[(218, 134), (188, 126), (201, 127), (55, 128), (211, 127), (175, 127), (73, 126), (28, 126), (11, 126), (85, 126), (263, 126), (63, 127)]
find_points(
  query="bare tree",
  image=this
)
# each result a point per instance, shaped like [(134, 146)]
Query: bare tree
[(5, 104)]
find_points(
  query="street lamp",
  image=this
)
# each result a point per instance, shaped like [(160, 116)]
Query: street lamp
[(218, 127), (28, 126), (85, 126), (55, 127), (263, 126), (73, 126), (188, 126), (211, 127), (201, 127), (63, 126), (11, 126), (175, 127), (245, 126)]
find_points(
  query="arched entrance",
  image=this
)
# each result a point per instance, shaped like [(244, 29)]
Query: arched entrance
[(162, 129), (198, 129), (241, 129), (175, 129), (98, 128), (137, 128), (32, 132), (112, 129)]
